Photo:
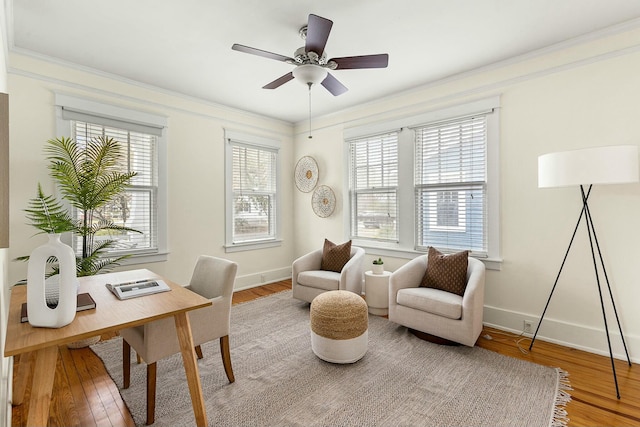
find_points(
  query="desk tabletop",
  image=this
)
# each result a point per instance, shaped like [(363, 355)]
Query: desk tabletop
[(110, 314)]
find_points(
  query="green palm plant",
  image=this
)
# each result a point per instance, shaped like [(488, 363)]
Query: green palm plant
[(88, 176), (48, 215)]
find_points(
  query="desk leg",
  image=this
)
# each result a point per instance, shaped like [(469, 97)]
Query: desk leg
[(183, 328), (42, 385), (21, 378)]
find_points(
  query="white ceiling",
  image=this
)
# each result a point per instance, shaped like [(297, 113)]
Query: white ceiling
[(185, 46)]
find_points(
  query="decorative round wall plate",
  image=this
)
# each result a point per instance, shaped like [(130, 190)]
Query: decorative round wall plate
[(306, 174), (323, 201)]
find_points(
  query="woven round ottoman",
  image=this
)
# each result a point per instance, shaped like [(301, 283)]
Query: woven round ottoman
[(339, 326)]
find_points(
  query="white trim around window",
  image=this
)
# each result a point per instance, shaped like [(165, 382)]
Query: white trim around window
[(405, 247), (271, 237), (71, 107)]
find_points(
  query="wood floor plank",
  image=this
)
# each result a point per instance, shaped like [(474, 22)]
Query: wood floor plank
[(98, 411), (594, 402), (117, 413), (97, 401), (60, 412)]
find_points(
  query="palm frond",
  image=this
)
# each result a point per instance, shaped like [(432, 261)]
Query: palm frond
[(110, 185), (102, 246), (48, 215), (88, 176), (95, 262), (102, 225), (64, 158)]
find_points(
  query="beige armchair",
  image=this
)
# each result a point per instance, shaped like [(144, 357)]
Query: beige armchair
[(436, 312), (213, 278), (308, 280)]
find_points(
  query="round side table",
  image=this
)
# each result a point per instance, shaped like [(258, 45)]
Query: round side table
[(376, 290)]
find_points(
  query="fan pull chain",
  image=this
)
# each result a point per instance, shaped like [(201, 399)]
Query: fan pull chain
[(309, 111)]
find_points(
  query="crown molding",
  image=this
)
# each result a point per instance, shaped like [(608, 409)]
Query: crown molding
[(490, 88), (575, 41), (119, 79)]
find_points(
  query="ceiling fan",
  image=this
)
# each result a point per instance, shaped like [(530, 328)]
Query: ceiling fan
[(311, 60)]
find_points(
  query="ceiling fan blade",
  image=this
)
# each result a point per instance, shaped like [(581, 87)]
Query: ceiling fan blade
[(365, 61), (318, 29), (333, 85), (279, 81), (259, 52)]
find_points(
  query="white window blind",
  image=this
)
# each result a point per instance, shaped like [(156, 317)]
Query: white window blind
[(137, 207), (374, 187), (451, 185), (254, 189)]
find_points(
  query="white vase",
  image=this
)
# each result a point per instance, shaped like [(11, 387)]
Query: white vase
[(39, 313), (378, 268)]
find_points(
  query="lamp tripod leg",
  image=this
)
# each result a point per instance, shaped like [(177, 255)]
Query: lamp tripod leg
[(591, 231), (606, 277), (566, 254), (592, 238)]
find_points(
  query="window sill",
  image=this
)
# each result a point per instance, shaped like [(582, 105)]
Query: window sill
[(491, 263), (145, 258), (252, 246)]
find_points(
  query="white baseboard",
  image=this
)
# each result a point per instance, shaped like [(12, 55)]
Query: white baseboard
[(258, 279), (580, 337)]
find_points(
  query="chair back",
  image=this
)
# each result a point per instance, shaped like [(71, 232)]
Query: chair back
[(213, 277)]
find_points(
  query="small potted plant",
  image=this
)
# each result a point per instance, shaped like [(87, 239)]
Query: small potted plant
[(378, 266)]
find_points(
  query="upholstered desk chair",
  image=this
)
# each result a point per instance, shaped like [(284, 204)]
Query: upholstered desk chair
[(213, 278), (434, 311), (308, 280)]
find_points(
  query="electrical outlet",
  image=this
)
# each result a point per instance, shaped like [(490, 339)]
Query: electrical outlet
[(263, 278), (528, 326)]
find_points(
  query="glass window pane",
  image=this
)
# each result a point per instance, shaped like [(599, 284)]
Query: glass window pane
[(137, 207), (450, 179), (373, 187), (254, 193), (376, 216)]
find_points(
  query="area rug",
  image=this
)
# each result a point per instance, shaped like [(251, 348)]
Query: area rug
[(401, 380)]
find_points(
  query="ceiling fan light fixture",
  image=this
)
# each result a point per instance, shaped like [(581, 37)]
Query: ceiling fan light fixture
[(312, 61), (309, 74)]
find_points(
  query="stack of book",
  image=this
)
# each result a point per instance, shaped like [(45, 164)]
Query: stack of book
[(85, 302)]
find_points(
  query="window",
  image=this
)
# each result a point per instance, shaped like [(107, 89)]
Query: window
[(434, 179), (144, 205), (252, 192), (137, 207), (450, 185), (373, 187)]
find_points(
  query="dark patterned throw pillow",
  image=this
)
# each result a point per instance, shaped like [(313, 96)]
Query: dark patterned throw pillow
[(446, 272), (334, 257)]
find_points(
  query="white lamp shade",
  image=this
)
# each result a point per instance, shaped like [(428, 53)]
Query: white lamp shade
[(309, 74), (616, 164)]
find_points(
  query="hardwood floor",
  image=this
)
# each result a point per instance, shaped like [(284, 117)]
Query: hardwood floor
[(85, 395)]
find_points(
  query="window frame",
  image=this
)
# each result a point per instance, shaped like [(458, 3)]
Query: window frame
[(406, 246), (443, 164), (388, 187), (236, 138), (72, 108)]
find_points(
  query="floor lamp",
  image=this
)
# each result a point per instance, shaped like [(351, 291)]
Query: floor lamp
[(588, 167)]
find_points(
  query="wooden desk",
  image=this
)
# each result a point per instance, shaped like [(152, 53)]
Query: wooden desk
[(110, 315)]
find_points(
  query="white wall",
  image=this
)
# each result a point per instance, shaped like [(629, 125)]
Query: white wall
[(195, 165), (579, 94)]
